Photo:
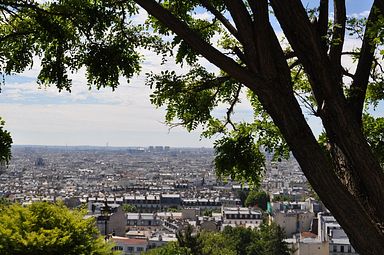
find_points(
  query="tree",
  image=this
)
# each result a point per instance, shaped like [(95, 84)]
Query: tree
[(280, 198), (186, 239), (282, 80), (242, 194), (43, 228), (271, 239), (215, 243), (268, 240), (5, 144), (259, 198), (171, 248), (128, 208)]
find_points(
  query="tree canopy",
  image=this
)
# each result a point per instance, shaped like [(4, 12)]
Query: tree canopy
[(5, 144), (284, 80), (268, 240), (257, 198), (43, 228)]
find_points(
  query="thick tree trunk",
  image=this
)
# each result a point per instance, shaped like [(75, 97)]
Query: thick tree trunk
[(363, 231)]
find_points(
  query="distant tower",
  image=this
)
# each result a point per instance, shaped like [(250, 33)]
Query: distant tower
[(39, 162)]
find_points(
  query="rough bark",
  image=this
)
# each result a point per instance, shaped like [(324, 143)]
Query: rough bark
[(363, 69), (339, 121), (267, 74)]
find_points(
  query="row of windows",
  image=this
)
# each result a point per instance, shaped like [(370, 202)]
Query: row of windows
[(143, 201), (342, 248), (129, 249), (242, 216), (202, 203), (142, 222), (245, 222)]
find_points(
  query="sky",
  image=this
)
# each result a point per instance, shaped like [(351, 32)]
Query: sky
[(125, 117)]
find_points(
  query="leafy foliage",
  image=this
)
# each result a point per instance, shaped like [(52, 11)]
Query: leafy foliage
[(43, 228), (280, 198), (5, 144), (128, 208), (268, 240), (239, 157), (216, 243), (72, 34), (186, 239), (171, 248), (374, 132), (258, 198)]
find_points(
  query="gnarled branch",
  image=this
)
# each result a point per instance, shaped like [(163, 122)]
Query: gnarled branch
[(360, 82)]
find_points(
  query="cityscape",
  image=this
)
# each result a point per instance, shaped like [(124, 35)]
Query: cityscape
[(175, 127), (141, 197)]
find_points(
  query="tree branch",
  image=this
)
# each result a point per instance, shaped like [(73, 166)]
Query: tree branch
[(15, 34), (306, 103), (348, 74), (271, 57), (232, 106), (337, 42), (250, 79), (322, 27), (289, 54), (239, 54), (206, 4), (211, 83), (243, 21), (307, 44), (360, 82), (295, 63)]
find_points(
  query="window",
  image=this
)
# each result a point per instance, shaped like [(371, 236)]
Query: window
[(130, 249), (117, 248), (349, 248), (139, 249), (334, 248), (342, 248)]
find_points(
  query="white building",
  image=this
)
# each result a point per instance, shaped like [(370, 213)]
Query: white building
[(241, 216), (331, 231)]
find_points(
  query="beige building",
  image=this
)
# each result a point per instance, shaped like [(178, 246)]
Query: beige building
[(309, 244), (293, 221)]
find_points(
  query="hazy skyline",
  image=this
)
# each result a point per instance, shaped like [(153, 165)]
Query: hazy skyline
[(43, 116)]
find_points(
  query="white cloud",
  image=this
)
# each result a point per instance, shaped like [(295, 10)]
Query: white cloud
[(203, 15), (363, 14), (124, 117)]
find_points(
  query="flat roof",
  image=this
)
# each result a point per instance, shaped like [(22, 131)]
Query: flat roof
[(129, 241)]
